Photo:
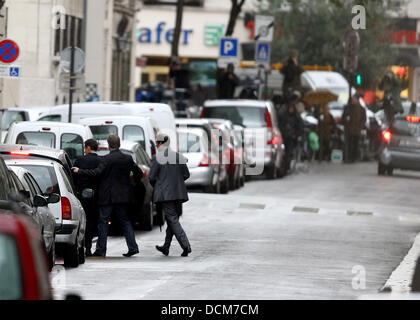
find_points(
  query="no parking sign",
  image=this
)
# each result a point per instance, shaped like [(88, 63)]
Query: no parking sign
[(9, 51)]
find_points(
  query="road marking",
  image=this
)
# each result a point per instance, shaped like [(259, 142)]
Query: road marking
[(359, 213), (251, 206), (305, 209), (401, 277)]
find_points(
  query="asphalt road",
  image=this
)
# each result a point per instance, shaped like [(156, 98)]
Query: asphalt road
[(329, 232)]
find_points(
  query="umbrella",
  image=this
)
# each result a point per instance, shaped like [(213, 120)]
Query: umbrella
[(319, 97)]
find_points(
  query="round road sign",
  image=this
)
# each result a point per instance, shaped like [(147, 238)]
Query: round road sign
[(79, 59), (9, 51)]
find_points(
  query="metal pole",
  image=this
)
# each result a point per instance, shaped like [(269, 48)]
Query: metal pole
[(72, 73)]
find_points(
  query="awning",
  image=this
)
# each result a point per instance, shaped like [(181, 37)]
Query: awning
[(408, 57)]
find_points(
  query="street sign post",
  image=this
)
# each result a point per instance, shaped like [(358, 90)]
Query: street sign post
[(264, 28), (262, 54), (10, 72), (9, 51), (229, 52), (79, 59)]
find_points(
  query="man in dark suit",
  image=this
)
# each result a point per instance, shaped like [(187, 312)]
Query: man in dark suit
[(168, 174), (89, 161), (114, 194)]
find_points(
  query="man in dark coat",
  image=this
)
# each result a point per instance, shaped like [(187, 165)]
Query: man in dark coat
[(89, 161), (291, 72), (354, 117), (114, 194), (168, 174), (227, 83)]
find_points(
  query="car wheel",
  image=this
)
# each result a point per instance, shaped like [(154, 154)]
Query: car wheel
[(381, 169), (71, 255), (270, 172), (146, 222), (224, 189)]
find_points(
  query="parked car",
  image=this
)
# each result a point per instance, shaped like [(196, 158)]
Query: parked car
[(142, 211), (215, 150), (253, 114), (23, 260), (141, 130), (56, 135), (51, 170), (401, 146), (12, 115), (35, 205)]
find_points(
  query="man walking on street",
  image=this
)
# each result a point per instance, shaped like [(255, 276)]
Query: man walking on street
[(114, 194), (168, 174), (89, 161), (354, 117)]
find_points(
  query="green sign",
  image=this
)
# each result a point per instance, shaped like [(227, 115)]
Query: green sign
[(213, 34)]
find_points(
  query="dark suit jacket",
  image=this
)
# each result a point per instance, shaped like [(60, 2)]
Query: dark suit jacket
[(114, 178), (168, 177), (90, 161)]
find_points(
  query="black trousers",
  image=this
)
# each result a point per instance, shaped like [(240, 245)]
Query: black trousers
[(92, 216), (172, 211), (353, 147)]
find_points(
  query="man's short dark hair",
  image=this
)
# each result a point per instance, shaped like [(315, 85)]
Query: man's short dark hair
[(93, 144), (114, 141)]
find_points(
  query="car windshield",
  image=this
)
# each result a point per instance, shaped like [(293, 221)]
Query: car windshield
[(102, 132), (42, 139), (45, 177), (73, 145), (248, 117), (9, 117), (403, 127), (189, 142), (10, 272)]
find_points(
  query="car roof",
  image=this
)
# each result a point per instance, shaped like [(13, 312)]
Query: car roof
[(51, 124), (113, 118), (236, 102), (41, 152), (30, 162)]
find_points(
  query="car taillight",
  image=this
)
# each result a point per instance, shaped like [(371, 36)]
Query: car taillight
[(203, 113), (268, 117), (205, 162), (414, 119), (19, 153), (65, 208), (387, 135), (275, 140)]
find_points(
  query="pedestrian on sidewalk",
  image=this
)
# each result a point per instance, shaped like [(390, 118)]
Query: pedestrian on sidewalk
[(91, 161), (168, 174), (326, 128), (114, 194)]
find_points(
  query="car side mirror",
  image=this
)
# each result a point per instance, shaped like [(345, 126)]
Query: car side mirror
[(25, 194), (54, 198), (88, 194), (40, 201)]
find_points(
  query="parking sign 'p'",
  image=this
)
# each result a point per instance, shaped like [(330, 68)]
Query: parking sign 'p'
[(228, 47)]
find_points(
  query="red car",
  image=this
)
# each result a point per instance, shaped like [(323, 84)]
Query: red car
[(24, 271)]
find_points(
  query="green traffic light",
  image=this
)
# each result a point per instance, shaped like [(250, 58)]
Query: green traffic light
[(359, 80)]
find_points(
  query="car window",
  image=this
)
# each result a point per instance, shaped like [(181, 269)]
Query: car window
[(34, 184), (189, 142), (30, 186), (72, 144), (4, 178), (144, 156), (134, 134), (248, 117), (45, 177), (66, 180), (51, 118), (42, 139), (403, 127), (102, 132), (10, 271), (9, 117)]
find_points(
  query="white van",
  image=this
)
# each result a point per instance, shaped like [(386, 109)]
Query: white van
[(56, 135), (141, 130), (11, 115)]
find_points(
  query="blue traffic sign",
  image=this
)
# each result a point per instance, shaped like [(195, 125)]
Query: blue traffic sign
[(263, 53), (229, 47), (14, 72)]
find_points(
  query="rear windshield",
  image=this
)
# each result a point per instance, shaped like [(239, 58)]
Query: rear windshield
[(134, 134), (248, 117), (45, 177), (73, 145), (10, 272), (102, 132), (403, 127), (42, 139), (189, 142), (8, 117)]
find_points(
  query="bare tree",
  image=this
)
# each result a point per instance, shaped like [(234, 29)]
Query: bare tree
[(178, 27), (234, 13)]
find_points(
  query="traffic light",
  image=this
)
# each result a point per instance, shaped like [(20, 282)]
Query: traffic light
[(359, 79)]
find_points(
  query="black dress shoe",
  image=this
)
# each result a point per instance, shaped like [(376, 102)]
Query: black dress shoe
[(186, 252), (88, 253), (130, 254), (163, 250)]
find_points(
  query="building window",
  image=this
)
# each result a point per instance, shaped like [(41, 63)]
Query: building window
[(63, 36)]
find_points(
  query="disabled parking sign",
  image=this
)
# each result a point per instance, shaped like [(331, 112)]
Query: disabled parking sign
[(11, 72)]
